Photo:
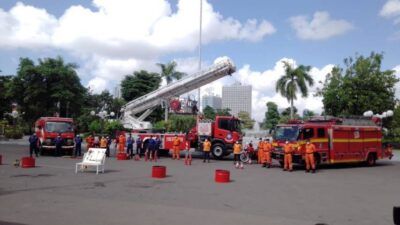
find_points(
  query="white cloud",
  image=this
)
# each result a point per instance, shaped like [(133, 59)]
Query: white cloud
[(320, 27), (397, 86), (26, 27), (263, 84), (119, 36), (97, 85), (390, 9)]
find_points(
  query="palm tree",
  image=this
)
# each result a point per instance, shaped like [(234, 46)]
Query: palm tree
[(168, 71), (294, 80)]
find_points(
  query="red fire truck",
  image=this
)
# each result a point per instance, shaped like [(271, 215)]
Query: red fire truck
[(336, 140), (223, 132), (47, 129)]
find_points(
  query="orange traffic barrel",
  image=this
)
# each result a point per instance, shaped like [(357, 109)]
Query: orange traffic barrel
[(122, 156), (159, 172), (27, 162), (222, 176)]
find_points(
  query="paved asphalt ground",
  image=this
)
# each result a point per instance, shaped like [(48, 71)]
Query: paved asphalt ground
[(53, 194)]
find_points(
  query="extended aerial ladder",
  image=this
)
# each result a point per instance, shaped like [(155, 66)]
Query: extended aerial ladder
[(147, 103)]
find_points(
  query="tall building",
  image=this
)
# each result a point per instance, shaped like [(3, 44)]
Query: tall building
[(237, 98), (117, 91), (211, 100)]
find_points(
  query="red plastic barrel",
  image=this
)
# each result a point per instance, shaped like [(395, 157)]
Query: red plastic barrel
[(122, 156), (222, 176), (27, 162), (159, 172)]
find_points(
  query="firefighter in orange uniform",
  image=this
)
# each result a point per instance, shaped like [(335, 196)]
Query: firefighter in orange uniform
[(267, 148), (176, 145), (206, 150), (288, 150), (89, 141), (310, 162), (121, 143), (260, 150), (237, 149), (103, 142)]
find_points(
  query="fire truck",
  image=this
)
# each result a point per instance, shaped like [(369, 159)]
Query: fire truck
[(336, 140), (47, 129), (223, 131)]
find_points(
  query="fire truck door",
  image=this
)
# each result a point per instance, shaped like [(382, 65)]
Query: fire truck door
[(340, 148)]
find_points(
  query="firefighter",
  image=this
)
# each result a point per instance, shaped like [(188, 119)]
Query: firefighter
[(206, 150), (237, 149), (157, 148), (103, 142), (138, 148), (33, 145), (260, 150), (59, 142), (121, 143), (176, 144), (188, 154), (310, 162), (109, 141), (78, 145), (89, 142), (129, 146), (267, 148), (288, 150), (151, 146)]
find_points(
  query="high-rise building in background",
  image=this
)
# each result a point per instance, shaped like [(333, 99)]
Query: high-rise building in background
[(237, 98), (211, 100), (117, 91)]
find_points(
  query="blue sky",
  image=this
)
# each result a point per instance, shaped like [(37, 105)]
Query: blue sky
[(256, 34)]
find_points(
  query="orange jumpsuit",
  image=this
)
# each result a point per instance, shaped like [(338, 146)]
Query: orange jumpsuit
[(103, 143), (310, 162), (176, 144), (267, 148), (89, 141), (260, 151), (288, 149), (121, 143)]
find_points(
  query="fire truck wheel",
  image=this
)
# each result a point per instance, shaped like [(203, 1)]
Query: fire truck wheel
[(371, 160), (218, 151)]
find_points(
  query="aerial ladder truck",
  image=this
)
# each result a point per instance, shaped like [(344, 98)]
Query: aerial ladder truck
[(223, 131)]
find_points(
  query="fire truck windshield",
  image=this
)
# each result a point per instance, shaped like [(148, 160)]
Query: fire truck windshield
[(58, 127), (290, 133)]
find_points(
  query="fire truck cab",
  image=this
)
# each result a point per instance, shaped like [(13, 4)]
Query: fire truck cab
[(47, 129), (336, 140)]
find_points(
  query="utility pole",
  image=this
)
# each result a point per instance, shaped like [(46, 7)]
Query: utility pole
[(200, 31)]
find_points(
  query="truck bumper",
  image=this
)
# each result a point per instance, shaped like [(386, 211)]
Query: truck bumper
[(280, 156), (54, 147)]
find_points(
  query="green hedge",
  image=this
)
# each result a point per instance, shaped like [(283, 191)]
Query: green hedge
[(14, 133)]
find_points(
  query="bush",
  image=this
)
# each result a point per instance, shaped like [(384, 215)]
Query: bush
[(14, 132), (95, 126), (111, 127)]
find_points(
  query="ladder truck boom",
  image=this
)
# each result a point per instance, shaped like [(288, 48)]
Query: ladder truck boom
[(146, 103)]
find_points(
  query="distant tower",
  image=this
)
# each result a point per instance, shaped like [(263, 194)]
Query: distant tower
[(117, 91), (237, 98), (211, 100)]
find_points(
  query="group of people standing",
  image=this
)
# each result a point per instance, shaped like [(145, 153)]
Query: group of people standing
[(93, 141), (34, 145), (150, 149)]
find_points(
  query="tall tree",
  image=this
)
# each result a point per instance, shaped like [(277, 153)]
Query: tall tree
[(5, 106), (307, 114), (169, 71), (271, 116), (247, 122), (138, 84), (49, 87), (209, 112), (294, 80), (359, 87)]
